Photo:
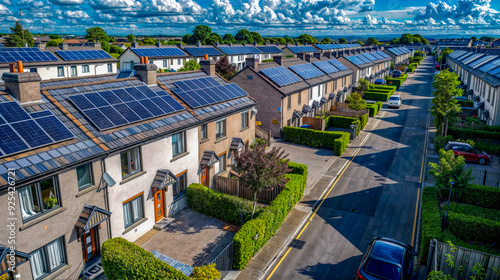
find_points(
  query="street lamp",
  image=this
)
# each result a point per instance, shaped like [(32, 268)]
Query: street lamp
[(448, 207)]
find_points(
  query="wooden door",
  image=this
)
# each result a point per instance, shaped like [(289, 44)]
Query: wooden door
[(89, 246), (159, 205), (204, 177)]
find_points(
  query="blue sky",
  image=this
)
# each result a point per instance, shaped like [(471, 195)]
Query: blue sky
[(269, 17)]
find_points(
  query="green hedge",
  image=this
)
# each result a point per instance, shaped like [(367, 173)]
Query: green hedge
[(491, 128), (386, 87), (219, 205), (394, 81), (464, 133), (122, 259), (431, 221), (364, 120), (413, 65), (482, 196), (335, 140), (381, 90), (468, 227), (410, 69), (473, 210), (377, 96), (486, 248), (466, 103), (339, 121), (374, 107), (254, 234)]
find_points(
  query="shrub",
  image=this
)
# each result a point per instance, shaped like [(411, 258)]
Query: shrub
[(219, 205), (414, 65), (395, 81), (207, 272), (474, 134), (473, 210), (386, 87), (486, 248), (467, 228), (491, 128), (410, 69), (466, 103), (373, 109), (381, 90), (431, 220), (377, 96), (487, 147), (339, 121), (440, 141), (364, 120), (482, 196), (122, 259), (334, 140)]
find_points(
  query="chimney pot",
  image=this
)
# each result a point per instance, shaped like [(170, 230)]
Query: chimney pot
[(12, 68), (147, 72), (20, 68), (208, 66), (252, 62), (24, 86), (205, 57), (278, 59)]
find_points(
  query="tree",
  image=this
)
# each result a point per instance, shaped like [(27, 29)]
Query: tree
[(372, 41), (281, 41), (244, 36), (224, 68), (474, 39), (96, 34), (190, 65), (306, 38), (445, 108), (260, 171), (257, 38), (289, 40), (420, 39), (201, 33), (131, 38), (445, 53), (19, 37), (149, 41), (406, 39), (362, 85), (187, 38), (52, 43), (359, 42), (450, 168), (356, 102), (326, 41), (394, 41), (419, 53), (342, 41), (486, 39), (54, 36), (228, 38), (213, 38)]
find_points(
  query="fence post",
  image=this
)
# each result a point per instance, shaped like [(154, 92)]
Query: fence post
[(238, 188), (484, 178), (269, 137), (431, 255)]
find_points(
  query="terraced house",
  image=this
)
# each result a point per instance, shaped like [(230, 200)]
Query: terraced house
[(164, 57), (399, 55), (370, 66), (288, 89), (103, 157), (480, 76)]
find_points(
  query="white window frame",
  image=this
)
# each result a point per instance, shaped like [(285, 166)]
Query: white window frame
[(133, 213), (138, 161), (218, 133), (60, 71), (244, 120), (89, 172), (183, 144), (35, 191), (110, 68), (85, 68)]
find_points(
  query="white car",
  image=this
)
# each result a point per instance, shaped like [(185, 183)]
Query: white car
[(394, 101)]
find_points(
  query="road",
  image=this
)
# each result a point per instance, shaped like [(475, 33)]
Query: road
[(376, 195)]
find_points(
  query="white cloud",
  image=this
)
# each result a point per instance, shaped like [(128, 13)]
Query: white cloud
[(4, 10), (465, 12), (67, 2), (76, 14)]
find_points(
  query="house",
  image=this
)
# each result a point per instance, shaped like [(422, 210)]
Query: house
[(100, 157), (335, 47), (292, 51), (237, 54), (41, 39), (120, 45), (370, 66), (169, 58), (199, 51), (61, 62), (269, 51), (288, 89), (398, 55), (480, 75), (76, 42)]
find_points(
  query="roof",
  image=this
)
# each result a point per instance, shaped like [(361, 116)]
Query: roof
[(158, 52), (299, 49), (209, 158), (163, 179), (237, 49), (269, 49), (90, 217), (482, 65), (201, 51), (336, 46)]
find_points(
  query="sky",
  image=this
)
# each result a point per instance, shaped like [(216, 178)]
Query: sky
[(268, 17)]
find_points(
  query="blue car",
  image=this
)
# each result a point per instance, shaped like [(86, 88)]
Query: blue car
[(380, 82), (386, 259)]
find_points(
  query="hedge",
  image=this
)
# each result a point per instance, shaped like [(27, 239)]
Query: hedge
[(491, 128), (122, 259), (395, 81), (219, 205), (410, 69), (381, 90), (413, 65), (466, 103), (335, 140), (464, 133), (254, 234), (364, 120), (431, 220), (386, 87), (377, 96), (374, 108), (486, 248), (467, 228), (339, 121), (482, 196), (473, 210)]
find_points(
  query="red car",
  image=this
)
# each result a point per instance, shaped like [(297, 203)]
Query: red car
[(468, 152)]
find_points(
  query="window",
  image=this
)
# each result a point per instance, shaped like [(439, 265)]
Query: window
[(179, 187), (151, 62), (85, 69), (165, 65), (250, 77), (179, 61), (84, 175), (310, 93), (178, 144), (47, 259), (220, 128), (221, 165), (289, 122), (33, 70), (289, 102), (244, 119), (126, 65), (132, 210), (38, 198), (203, 131), (300, 98), (73, 71), (131, 162), (60, 71), (110, 68)]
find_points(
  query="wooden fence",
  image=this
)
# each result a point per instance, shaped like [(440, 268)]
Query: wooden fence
[(486, 178), (342, 109), (465, 259), (232, 186), (315, 123)]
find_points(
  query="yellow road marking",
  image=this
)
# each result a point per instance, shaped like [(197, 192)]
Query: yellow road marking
[(415, 219)]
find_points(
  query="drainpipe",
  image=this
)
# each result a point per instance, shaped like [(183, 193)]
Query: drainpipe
[(106, 195)]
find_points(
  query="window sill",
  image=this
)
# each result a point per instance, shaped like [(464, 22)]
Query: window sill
[(87, 190), (42, 218), (244, 128), (134, 225), (220, 139), (58, 272), (204, 140), (179, 156), (179, 197), (132, 177)]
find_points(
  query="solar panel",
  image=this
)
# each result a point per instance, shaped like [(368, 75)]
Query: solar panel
[(281, 75), (326, 67), (356, 60), (25, 55), (126, 74), (270, 49), (495, 72), (460, 58), (472, 58), (239, 50), (338, 65), (299, 49), (158, 52), (83, 55), (490, 65), (306, 71), (205, 91), (22, 131), (201, 51), (481, 61), (109, 109)]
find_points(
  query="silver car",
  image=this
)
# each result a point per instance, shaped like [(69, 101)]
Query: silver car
[(394, 101)]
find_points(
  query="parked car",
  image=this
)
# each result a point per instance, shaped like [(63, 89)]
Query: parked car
[(396, 74), (394, 101), (380, 82), (386, 259), (468, 152)]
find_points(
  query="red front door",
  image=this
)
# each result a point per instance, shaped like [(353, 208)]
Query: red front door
[(204, 177), (159, 208), (89, 247)]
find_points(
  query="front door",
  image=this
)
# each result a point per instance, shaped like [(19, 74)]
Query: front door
[(89, 247), (159, 208), (204, 177)]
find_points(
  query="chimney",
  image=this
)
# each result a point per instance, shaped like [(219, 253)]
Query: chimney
[(134, 45), (244, 44), (318, 55), (267, 43), (208, 66), (301, 56), (278, 59), (24, 86), (40, 45), (277, 44), (287, 44), (307, 57), (255, 44), (64, 46), (296, 43), (230, 44), (252, 62), (198, 44), (158, 44), (146, 72), (180, 45)]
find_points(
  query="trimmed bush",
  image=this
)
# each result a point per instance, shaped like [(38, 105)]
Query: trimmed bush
[(122, 259), (364, 120), (395, 82), (464, 133), (339, 121), (380, 90), (467, 228), (335, 140), (431, 220), (207, 272), (373, 109), (473, 210), (413, 65), (482, 196), (386, 87), (410, 69), (219, 205), (377, 96), (486, 248)]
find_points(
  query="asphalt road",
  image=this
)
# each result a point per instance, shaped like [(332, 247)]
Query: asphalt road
[(375, 196)]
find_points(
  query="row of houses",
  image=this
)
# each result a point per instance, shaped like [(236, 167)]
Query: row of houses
[(479, 73)]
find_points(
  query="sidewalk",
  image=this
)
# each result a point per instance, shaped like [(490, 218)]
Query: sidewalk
[(323, 177)]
